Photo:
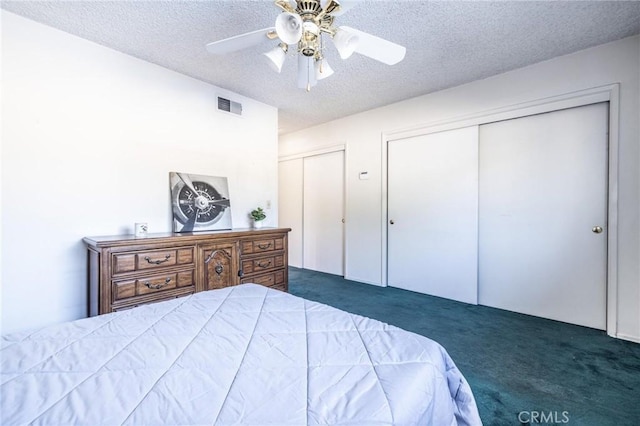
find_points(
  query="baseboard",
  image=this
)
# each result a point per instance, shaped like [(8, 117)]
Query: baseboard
[(360, 280), (634, 339)]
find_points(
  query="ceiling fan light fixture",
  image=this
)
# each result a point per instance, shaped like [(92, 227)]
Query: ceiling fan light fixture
[(345, 42), (277, 56), (289, 27), (302, 24)]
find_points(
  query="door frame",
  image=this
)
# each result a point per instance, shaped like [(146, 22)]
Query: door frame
[(320, 151), (608, 93)]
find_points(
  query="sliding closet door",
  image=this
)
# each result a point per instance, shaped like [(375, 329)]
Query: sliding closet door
[(433, 214), (543, 223), (290, 206), (323, 213)]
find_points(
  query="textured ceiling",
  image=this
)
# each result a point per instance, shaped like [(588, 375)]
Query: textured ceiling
[(448, 43)]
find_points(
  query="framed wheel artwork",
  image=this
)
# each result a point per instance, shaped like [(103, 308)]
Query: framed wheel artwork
[(199, 203)]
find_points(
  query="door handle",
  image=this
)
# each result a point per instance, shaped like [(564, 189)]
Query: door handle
[(391, 222), (597, 229)]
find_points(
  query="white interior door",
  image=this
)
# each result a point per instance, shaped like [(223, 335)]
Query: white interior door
[(290, 206), (543, 188), (323, 213), (433, 214)]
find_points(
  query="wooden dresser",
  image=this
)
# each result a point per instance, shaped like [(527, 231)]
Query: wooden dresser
[(126, 271)]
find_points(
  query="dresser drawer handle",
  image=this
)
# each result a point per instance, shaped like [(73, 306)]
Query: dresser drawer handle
[(157, 286), (264, 265), (157, 262), (264, 246)]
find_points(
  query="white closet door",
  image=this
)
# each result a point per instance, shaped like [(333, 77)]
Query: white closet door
[(290, 206), (543, 188), (323, 209), (433, 214)]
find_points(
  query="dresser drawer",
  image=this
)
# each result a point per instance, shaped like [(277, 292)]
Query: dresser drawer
[(159, 283), (151, 259), (134, 303), (262, 264), (262, 245), (274, 280)]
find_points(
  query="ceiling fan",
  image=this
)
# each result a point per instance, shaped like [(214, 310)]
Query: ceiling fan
[(301, 24)]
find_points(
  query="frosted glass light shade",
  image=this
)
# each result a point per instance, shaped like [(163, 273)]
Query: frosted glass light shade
[(345, 42), (289, 27), (276, 57), (323, 69)]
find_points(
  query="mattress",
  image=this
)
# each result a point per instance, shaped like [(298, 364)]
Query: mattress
[(240, 355)]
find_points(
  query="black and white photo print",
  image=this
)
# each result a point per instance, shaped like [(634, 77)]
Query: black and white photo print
[(199, 203)]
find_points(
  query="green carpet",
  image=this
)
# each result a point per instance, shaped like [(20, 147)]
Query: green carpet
[(514, 363)]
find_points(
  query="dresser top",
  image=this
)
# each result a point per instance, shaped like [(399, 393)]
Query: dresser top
[(127, 239)]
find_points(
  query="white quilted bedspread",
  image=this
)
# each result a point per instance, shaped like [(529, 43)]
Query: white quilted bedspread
[(240, 355)]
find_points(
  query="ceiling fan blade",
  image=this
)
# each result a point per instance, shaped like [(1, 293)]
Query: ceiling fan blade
[(377, 48), (241, 41)]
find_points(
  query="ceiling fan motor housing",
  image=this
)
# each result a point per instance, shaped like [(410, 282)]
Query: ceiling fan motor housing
[(308, 7)]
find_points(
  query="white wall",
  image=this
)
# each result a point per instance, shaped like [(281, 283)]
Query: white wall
[(89, 136), (617, 62)]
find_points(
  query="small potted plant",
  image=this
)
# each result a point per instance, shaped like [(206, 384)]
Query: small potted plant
[(258, 216)]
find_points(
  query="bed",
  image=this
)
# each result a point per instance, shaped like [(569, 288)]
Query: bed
[(240, 355)]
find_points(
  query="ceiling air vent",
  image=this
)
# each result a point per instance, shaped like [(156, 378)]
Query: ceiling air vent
[(229, 106)]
